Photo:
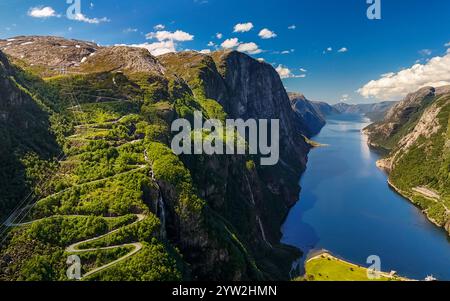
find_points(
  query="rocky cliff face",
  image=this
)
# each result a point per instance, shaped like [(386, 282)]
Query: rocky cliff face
[(256, 91), (246, 88), (415, 135), (313, 113), (24, 128)]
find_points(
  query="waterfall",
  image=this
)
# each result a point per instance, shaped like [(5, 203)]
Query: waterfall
[(161, 212), (160, 206), (249, 189), (263, 234)]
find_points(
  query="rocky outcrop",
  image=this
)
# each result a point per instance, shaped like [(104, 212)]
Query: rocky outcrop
[(402, 113), (121, 58), (47, 55), (313, 114)]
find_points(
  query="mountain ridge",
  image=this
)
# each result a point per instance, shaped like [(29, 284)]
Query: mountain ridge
[(415, 137), (224, 230)]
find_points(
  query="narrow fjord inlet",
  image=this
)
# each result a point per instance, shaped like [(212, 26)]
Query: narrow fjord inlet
[(347, 207)]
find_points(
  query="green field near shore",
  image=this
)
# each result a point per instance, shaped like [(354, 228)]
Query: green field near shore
[(326, 267)]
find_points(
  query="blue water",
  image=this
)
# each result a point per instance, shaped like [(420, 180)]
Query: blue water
[(347, 207)]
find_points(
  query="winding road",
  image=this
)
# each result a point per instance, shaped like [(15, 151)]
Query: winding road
[(74, 248), (137, 247)]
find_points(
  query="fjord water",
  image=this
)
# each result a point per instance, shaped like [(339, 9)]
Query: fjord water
[(347, 208)]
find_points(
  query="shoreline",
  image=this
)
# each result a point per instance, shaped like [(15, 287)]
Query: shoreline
[(328, 254), (397, 190), (404, 195)]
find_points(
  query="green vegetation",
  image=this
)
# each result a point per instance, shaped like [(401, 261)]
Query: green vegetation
[(329, 268), (99, 258), (64, 230), (113, 129), (427, 164), (142, 231), (154, 263)]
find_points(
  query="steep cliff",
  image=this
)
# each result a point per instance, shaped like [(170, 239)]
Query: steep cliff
[(255, 200), (415, 134), (313, 113), (24, 129), (221, 213)]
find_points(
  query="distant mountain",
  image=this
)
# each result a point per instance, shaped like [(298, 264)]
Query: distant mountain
[(324, 108), (313, 113), (374, 111), (416, 135)]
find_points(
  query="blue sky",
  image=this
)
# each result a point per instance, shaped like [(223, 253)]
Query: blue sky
[(410, 32)]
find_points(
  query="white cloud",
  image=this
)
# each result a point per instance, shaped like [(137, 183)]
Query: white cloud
[(219, 35), (159, 27), (292, 27), (250, 48), (329, 49), (303, 70), (435, 72), (157, 48), (205, 51), (230, 43), (211, 44), (243, 27), (343, 49), (164, 35), (166, 41), (129, 30), (345, 98), (267, 34), (284, 51), (425, 52), (447, 44), (82, 18), (42, 12), (285, 72)]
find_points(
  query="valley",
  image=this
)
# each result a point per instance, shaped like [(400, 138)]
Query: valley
[(88, 170)]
